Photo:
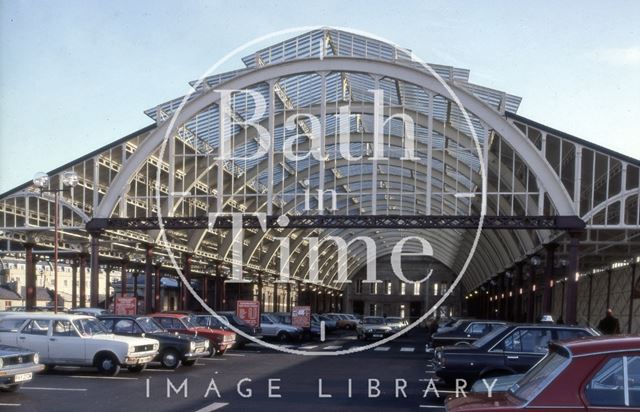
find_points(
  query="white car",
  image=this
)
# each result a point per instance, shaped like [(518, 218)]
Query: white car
[(76, 340), (272, 327)]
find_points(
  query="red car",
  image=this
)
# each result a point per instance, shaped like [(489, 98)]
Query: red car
[(220, 340), (588, 374)]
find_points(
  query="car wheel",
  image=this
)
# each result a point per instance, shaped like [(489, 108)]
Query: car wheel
[(220, 352), (283, 336), (108, 365), (189, 362), (170, 359), (137, 368), (11, 388)]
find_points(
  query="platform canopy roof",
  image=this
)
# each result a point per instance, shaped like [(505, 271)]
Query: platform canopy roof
[(307, 93)]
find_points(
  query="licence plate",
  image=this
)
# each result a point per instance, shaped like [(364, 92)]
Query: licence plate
[(199, 350), (22, 377), (377, 335)]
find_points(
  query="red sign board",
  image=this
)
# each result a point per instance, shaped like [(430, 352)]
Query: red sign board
[(125, 305), (249, 312), (301, 316)]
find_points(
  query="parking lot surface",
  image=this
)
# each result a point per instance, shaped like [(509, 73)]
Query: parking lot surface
[(240, 380)]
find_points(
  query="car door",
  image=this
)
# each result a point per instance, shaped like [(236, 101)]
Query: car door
[(615, 386), (65, 344), (267, 325), (35, 336), (524, 347)]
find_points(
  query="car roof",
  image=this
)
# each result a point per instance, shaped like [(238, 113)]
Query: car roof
[(546, 326), (170, 315), (601, 344), (46, 315)]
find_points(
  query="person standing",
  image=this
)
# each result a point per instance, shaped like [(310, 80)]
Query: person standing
[(609, 325)]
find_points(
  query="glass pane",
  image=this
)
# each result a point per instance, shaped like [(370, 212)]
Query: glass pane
[(539, 376), (566, 334), (513, 342), (633, 374), (607, 386), (63, 328), (37, 327), (535, 340)]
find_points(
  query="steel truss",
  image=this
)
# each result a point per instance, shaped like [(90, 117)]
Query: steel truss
[(343, 222)]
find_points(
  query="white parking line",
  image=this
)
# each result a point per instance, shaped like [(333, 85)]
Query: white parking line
[(212, 359), (120, 378), (37, 388), (10, 404), (213, 407), (382, 348), (309, 347), (332, 347), (432, 406), (235, 354), (350, 337), (159, 370), (407, 349)]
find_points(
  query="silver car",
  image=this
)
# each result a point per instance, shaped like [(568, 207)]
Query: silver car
[(373, 327)]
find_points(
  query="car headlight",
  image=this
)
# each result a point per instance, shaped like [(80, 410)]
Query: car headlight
[(36, 358), (206, 344), (1, 363), (131, 349), (369, 330), (192, 346), (156, 346)]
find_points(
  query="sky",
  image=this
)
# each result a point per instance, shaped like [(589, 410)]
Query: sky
[(77, 75)]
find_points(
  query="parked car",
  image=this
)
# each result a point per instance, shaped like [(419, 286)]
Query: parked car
[(396, 323), (330, 325), (373, 327), (601, 373), (175, 348), (445, 323), (77, 340), (219, 340), (232, 319), (509, 349), (89, 311), (272, 327), (313, 330), (463, 332), (343, 320), (17, 367)]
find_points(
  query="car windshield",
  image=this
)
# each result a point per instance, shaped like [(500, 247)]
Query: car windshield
[(539, 376), (187, 322), (489, 336), (89, 327), (272, 318), (373, 321), (149, 325)]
